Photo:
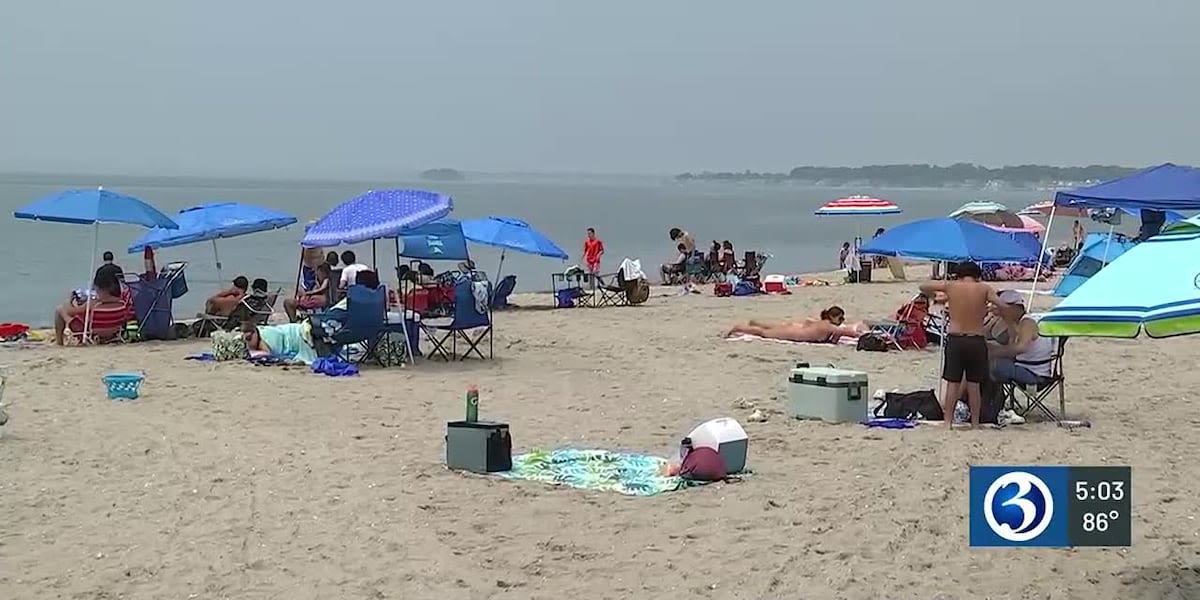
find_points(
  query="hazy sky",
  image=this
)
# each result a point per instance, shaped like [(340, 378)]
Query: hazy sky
[(372, 87)]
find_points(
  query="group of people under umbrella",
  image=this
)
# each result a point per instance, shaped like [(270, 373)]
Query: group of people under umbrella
[(396, 214)]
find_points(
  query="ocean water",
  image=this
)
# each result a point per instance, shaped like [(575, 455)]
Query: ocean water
[(45, 261)]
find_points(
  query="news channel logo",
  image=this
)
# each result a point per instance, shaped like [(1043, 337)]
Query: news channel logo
[(1018, 506)]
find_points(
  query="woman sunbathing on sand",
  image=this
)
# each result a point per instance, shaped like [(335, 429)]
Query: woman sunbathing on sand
[(829, 328)]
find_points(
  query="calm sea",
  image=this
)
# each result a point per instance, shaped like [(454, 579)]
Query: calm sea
[(632, 216)]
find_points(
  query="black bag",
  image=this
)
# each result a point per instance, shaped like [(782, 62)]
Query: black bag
[(872, 342), (992, 401), (922, 404)]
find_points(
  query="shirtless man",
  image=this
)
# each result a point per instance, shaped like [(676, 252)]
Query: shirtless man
[(966, 351)]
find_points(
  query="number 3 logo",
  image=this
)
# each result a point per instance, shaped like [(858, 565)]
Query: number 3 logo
[(1018, 506)]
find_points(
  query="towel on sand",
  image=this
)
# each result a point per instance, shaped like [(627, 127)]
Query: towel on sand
[(600, 470), (844, 341)]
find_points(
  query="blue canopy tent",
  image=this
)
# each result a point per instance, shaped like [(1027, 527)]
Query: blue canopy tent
[(93, 207), (508, 233), (211, 222), (1099, 249), (1166, 187), (949, 240)]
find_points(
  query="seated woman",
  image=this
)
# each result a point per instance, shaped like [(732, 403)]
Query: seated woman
[(293, 340), (109, 311), (311, 299), (223, 302), (829, 328), (728, 258), (669, 270)]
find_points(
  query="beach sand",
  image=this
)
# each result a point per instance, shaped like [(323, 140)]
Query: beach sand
[(234, 481)]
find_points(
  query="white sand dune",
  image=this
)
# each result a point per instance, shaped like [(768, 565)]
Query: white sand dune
[(235, 481)]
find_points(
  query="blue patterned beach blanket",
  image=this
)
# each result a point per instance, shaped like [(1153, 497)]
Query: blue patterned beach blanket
[(601, 470)]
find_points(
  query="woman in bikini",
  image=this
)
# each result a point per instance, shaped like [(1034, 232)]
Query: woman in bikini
[(829, 328)]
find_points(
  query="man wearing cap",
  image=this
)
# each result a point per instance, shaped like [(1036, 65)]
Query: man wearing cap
[(1027, 357)]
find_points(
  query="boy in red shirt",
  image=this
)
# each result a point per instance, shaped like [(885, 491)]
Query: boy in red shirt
[(593, 249)]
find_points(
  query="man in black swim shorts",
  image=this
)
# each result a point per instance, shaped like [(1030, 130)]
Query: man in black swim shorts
[(966, 352)]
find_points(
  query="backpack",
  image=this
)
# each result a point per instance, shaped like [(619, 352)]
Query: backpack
[(922, 404), (872, 342), (703, 464)]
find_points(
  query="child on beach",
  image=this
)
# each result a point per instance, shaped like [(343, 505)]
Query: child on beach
[(593, 249)]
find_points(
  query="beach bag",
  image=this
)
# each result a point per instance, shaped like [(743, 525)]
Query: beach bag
[(872, 342), (722, 289), (922, 404), (703, 464), (229, 345)]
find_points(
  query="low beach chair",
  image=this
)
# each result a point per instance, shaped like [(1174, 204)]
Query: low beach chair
[(255, 307), (468, 322), (1025, 399), (109, 323), (365, 324), (503, 290)]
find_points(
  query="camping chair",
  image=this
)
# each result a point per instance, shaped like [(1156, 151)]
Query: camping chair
[(609, 290), (466, 320), (364, 325), (255, 307), (1024, 399), (752, 265)]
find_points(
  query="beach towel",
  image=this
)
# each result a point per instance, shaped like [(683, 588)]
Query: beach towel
[(844, 341), (599, 470)]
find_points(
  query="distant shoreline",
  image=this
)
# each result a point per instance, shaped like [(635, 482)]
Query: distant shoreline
[(959, 175)]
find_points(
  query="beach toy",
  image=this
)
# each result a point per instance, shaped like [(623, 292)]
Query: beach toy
[(123, 386)]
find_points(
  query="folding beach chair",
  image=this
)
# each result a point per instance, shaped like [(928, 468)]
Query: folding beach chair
[(364, 325), (907, 330), (468, 322), (1024, 399)]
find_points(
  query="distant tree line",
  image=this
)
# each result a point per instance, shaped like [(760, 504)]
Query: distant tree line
[(958, 174)]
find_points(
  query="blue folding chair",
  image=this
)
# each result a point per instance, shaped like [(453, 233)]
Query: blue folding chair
[(366, 313), (468, 323)]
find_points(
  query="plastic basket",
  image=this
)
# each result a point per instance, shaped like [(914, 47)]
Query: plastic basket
[(123, 386)]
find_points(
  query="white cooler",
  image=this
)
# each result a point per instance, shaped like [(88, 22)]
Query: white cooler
[(727, 437), (826, 393)]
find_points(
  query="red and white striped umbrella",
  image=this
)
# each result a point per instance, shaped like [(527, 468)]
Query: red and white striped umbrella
[(858, 205)]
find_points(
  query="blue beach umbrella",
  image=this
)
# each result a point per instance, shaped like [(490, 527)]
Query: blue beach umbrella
[(375, 215), (93, 207), (950, 240), (1152, 286), (508, 233), (213, 221)]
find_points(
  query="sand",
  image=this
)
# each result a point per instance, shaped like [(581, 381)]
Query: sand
[(234, 481)]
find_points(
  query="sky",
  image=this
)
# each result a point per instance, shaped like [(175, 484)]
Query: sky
[(306, 88)]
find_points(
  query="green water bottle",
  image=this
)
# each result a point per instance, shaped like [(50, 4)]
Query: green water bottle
[(472, 404)]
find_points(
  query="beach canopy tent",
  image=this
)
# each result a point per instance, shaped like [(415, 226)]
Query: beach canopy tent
[(442, 239), (1165, 187), (1099, 249), (375, 215), (211, 222), (507, 234), (953, 240), (93, 207), (1153, 286)]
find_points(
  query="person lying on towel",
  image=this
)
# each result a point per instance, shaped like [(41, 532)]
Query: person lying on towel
[(292, 340), (829, 328)]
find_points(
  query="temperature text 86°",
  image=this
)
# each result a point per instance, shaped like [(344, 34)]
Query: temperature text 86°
[(1099, 521)]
